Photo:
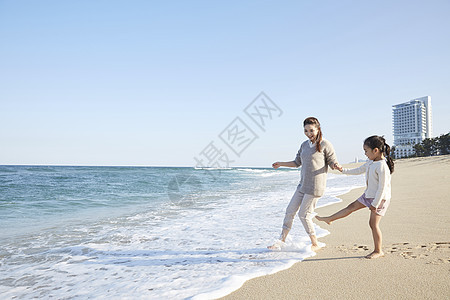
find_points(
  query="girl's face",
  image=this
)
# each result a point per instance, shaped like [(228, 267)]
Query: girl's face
[(372, 154), (311, 132)]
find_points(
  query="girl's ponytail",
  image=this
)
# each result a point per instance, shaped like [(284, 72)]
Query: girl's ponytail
[(379, 142), (389, 160)]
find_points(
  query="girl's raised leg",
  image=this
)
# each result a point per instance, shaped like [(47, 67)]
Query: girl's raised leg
[(352, 207)]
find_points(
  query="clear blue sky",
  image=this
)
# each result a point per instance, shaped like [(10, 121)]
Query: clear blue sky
[(154, 82)]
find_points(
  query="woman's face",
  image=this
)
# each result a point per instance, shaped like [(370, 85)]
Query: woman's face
[(311, 132)]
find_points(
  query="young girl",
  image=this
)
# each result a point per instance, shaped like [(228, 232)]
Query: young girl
[(378, 191), (315, 155)]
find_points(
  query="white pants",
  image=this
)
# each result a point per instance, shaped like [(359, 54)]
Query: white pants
[(304, 204)]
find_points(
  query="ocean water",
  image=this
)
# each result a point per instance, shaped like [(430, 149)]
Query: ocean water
[(146, 232)]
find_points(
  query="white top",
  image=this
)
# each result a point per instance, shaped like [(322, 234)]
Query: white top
[(378, 180)]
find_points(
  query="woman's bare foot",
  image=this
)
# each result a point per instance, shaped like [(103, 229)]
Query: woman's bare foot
[(324, 219), (316, 248), (276, 246), (374, 255)]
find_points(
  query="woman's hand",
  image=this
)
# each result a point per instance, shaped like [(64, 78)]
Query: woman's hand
[(337, 167), (276, 165)]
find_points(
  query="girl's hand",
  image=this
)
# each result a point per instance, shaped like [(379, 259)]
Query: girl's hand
[(276, 165), (337, 167)]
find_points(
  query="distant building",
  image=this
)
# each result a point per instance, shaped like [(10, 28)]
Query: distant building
[(411, 124)]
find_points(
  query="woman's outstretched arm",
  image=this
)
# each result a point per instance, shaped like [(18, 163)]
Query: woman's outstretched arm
[(290, 164)]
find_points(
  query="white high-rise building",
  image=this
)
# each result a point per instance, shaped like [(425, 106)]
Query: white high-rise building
[(411, 124)]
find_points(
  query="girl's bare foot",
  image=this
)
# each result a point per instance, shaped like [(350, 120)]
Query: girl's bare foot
[(374, 255), (324, 219)]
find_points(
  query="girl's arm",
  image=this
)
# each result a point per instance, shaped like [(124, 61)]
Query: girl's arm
[(356, 171), (383, 181)]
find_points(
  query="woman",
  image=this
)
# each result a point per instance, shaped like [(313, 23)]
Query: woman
[(314, 156)]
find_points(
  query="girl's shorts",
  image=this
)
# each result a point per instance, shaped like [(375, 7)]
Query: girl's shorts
[(381, 210)]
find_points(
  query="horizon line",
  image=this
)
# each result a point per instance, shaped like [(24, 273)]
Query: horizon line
[(137, 166)]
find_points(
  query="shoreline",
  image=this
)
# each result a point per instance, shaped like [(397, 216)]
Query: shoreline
[(235, 287), (237, 281), (195, 258), (415, 242)]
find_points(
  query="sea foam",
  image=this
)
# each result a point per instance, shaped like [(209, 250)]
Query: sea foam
[(162, 249)]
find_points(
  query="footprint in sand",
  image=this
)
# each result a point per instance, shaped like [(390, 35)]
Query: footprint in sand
[(360, 247), (431, 253), (354, 249), (434, 253), (439, 261)]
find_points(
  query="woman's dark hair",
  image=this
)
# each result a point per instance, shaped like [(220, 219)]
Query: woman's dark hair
[(379, 142), (315, 122)]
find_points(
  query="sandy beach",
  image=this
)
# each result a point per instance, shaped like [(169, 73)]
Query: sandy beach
[(416, 241)]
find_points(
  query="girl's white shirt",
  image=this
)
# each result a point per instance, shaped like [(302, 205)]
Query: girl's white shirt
[(378, 180)]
